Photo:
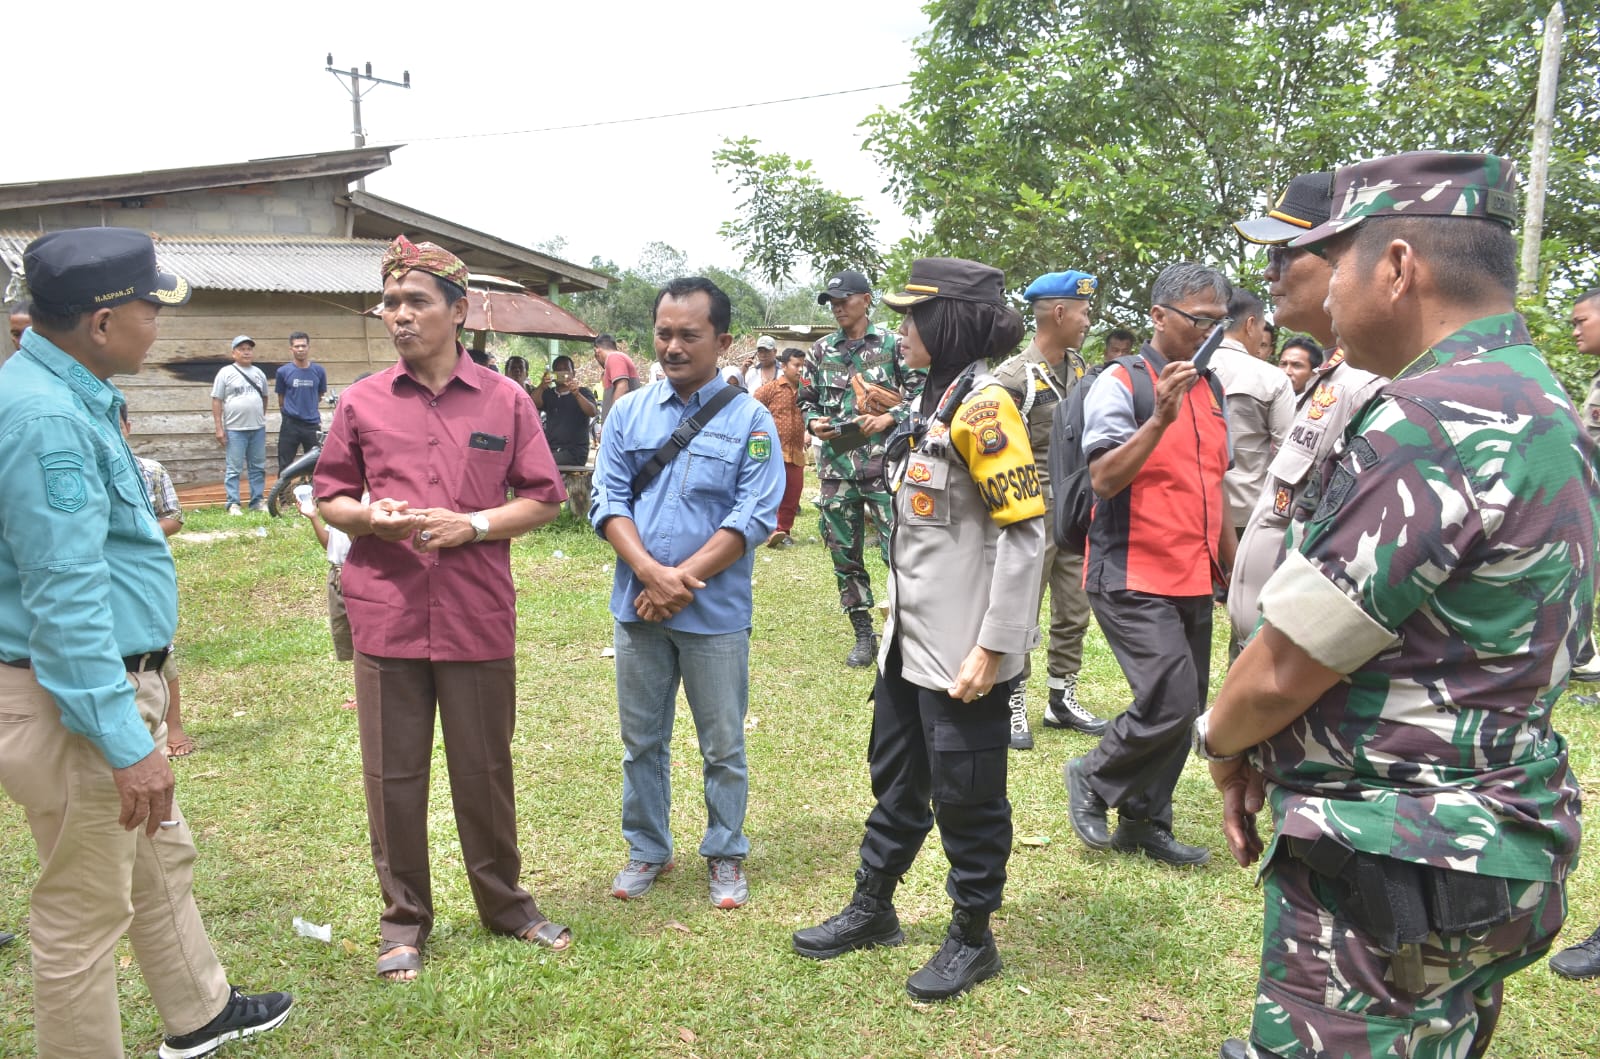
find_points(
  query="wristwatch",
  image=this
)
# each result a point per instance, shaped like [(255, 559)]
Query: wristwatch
[(1199, 741), (480, 525)]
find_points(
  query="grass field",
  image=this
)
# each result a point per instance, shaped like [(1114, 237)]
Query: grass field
[(1106, 955)]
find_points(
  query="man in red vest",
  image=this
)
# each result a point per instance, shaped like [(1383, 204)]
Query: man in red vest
[(1158, 533)]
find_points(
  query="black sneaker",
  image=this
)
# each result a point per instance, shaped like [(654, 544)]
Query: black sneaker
[(244, 1015)]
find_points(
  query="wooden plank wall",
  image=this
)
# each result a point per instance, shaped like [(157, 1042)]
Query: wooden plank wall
[(170, 400)]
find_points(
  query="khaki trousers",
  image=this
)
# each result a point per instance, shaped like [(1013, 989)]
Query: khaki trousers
[(98, 882), (1062, 574)]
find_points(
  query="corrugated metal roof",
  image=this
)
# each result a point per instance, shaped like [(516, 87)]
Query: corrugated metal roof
[(260, 263)]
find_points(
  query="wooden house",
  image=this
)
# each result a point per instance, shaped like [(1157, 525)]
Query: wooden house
[(270, 246)]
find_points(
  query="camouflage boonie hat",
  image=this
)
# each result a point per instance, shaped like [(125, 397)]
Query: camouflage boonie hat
[(1420, 184)]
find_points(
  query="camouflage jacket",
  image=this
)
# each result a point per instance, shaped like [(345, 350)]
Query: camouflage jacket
[(1448, 570), (825, 391), (1037, 388)]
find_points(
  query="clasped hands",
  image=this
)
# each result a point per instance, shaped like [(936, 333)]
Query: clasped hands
[(428, 528), (667, 590)]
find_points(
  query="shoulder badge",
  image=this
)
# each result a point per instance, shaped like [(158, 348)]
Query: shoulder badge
[(980, 412), (64, 487), (759, 446), (1322, 399)]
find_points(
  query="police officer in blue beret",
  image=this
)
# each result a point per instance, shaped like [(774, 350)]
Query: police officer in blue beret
[(1038, 379), (88, 605)]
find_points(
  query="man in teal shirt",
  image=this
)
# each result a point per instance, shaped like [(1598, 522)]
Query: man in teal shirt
[(88, 605)]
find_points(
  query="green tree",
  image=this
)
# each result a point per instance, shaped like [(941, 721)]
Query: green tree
[(1124, 135), (787, 217)]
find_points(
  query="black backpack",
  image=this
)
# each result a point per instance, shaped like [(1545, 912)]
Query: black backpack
[(1069, 472)]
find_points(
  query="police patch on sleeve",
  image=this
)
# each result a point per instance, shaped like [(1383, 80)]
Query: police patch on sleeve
[(760, 446), (992, 440), (64, 487)]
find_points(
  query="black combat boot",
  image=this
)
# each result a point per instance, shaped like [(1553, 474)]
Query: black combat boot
[(869, 919), (967, 957), (865, 652)]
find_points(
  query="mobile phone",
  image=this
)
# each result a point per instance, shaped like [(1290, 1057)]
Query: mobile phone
[(1202, 357)]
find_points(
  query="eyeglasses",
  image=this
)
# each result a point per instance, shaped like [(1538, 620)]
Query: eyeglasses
[(1205, 323), (1280, 256)]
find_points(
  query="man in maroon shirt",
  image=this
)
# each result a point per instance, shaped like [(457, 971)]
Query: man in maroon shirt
[(438, 442)]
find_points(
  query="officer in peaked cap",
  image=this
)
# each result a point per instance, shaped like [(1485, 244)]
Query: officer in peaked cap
[(963, 614), (1039, 379), (85, 621), (1389, 612)]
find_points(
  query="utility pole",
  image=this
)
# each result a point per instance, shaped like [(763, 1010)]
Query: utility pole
[(356, 92), (1539, 160)]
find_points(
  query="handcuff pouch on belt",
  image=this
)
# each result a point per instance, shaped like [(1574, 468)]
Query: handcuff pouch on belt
[(1397, 903)]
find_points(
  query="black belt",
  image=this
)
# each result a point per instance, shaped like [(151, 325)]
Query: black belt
[(141, 663)]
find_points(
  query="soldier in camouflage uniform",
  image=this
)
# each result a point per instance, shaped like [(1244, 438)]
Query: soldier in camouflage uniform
[(1397, 699), (852, 485), (1039, 379)]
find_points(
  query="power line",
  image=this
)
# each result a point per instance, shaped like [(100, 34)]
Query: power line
[(649, 117)]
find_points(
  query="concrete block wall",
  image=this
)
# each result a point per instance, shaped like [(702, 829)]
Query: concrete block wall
[(294, 207)]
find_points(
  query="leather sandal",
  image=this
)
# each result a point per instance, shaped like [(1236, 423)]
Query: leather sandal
[(391, 962), (547, 934)]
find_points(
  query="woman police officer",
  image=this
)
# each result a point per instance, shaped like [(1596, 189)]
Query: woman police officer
[(963, 612)]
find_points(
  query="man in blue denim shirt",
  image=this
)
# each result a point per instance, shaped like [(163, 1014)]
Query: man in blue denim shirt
[(681, 595), (88, 605)]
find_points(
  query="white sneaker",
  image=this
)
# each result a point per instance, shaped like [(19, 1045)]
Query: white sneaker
[(234, 509)]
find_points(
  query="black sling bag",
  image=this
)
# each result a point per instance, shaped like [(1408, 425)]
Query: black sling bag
[(681, 436)]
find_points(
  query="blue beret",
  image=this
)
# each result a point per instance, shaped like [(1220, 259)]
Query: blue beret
[(1072, 284)]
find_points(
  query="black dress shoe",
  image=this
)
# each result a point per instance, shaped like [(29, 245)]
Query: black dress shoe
[(1579, 961), (7, 938), (1156, 842), (1234, 1048), (1086, 810)]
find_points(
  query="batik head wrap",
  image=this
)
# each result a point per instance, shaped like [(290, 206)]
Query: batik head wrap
[(403, 255)]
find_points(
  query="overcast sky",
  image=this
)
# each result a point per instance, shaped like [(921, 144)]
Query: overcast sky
[(200, 83)]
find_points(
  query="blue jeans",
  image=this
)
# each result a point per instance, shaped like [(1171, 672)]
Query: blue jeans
[(715, 671), (246, 448)]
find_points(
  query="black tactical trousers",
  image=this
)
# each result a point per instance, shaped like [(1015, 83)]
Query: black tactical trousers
[(933, 757), (1163, 644)]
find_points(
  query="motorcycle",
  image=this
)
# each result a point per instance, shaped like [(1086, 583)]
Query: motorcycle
[(281, 498)]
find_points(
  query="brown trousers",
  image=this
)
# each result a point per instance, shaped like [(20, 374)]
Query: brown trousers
[(476, 704), (98, 881)]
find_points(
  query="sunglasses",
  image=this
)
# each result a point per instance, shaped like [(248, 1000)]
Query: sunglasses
[(1205, 323), (1278, 257)]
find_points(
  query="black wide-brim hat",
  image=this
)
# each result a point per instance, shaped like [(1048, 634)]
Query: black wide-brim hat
[(949, 277), (80, 270)]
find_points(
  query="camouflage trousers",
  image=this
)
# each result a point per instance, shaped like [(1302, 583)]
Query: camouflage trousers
[(1325, 991), (846, 505)]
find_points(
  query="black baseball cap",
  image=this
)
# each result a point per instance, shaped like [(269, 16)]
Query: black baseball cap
[(1304, 204), (949, 277), (844, 284), (83, 269)]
